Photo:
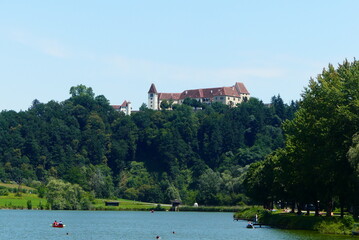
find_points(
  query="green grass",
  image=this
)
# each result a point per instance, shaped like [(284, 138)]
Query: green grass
[(210, 208), (327, 225), (291, 221), (322, 224), (99, 204), (20, 202), (248, 213), (13, 201), (12, 185)]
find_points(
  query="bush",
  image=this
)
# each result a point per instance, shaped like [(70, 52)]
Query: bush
[(249, 213), (66, 196), (29, 204), (18, 194), (41, 206), (336, 225), (41, 191), (291, 221), (331, 225), (131, 193), (159, 208), (4, 191)]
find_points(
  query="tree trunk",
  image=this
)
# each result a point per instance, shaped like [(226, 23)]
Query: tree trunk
[(355, 211), (293, 207), (317, 208), (329, 208), (299, 209), (271, 205)]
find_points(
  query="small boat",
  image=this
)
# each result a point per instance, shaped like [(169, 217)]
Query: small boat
[(250, 225), (59, 225)]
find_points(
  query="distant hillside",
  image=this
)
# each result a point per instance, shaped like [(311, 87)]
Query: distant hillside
[(154, 156)]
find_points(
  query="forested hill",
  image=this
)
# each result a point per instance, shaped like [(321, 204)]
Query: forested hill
[(152, 156)]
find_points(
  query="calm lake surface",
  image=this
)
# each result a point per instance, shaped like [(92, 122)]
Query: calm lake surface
[(103, 225)]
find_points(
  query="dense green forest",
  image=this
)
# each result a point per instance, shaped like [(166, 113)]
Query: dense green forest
[(319, 163), (82, 147)]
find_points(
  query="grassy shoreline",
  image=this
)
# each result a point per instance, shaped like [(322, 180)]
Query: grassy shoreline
[(32, 201), (291, 221), (24, 197), (22, 201)]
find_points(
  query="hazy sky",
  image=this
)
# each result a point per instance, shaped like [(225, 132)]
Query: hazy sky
[(120, 47)]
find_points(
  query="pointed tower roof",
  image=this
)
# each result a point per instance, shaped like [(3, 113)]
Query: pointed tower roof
[(241, 88), (124, 104), (152, 89)]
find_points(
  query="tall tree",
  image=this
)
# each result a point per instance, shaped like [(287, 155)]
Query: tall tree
[(321, 132)]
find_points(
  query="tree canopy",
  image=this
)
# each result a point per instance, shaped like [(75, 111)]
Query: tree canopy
[(315, 166), (151, 155)]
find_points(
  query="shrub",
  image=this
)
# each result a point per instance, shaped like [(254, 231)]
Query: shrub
[(29, 204), (159, 208), (249, 213), (336, 225), (41, 191), (4, 191), (41, 206)]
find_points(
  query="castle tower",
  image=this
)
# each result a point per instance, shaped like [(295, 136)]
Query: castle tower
[(129, 108), (153, 98)]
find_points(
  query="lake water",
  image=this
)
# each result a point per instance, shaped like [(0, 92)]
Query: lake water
[(106, 225)]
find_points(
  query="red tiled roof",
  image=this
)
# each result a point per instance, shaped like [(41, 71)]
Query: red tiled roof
[(231, 91), (117, 107), (195, 93), (209, 92), (241, 88), (152, 89), (169, 96), (234, 91)]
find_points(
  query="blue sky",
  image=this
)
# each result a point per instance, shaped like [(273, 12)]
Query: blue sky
[(120, 47)]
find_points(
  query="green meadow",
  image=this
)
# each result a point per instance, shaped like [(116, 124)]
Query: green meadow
[(25, 197)]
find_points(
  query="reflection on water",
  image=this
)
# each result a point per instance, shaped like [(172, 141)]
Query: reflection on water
[(103, 225)]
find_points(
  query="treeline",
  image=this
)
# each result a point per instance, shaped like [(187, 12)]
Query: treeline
[(319, 163), (156, 156)]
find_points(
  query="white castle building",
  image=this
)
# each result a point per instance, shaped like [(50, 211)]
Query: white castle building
[(125, 107), (226, 95)]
